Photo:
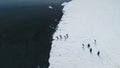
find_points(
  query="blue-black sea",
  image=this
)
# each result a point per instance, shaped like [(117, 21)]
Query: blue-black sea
[(26, 34)]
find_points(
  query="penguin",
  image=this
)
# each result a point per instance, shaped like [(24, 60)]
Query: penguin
[(57, 37), (95, 42), (83, 45), (88, 45), (60, 36), (66, 35), (90, 50), (98, 53)]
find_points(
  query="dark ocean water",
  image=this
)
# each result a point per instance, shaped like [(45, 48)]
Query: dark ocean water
[(26, 35)]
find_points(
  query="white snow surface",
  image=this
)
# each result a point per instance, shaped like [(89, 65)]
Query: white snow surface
[(85, 21)]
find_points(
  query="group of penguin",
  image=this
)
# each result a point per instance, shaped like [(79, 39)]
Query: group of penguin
[(60, 37), (90, 49), (66, 36)]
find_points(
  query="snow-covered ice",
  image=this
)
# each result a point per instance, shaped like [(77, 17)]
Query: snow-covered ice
[(86, 21), (50, 7)]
